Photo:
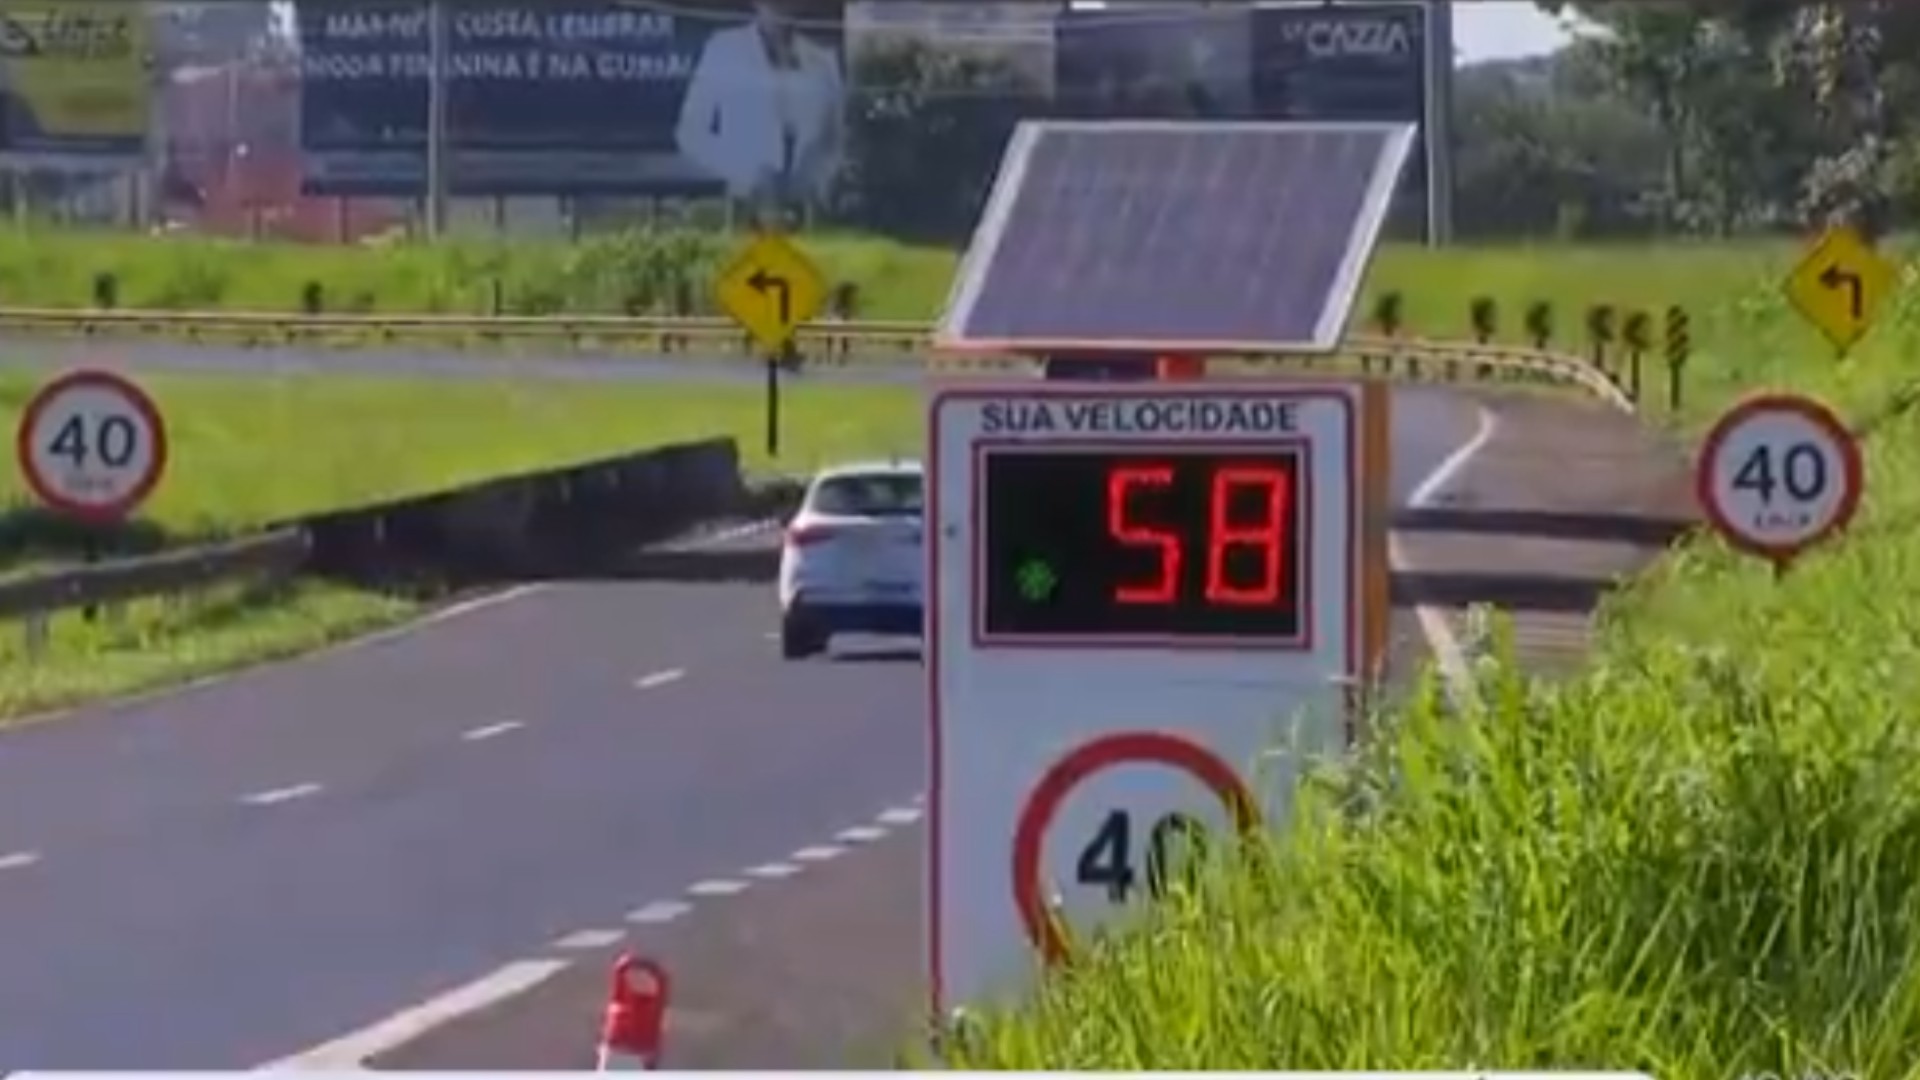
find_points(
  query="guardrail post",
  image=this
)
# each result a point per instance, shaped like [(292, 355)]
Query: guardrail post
[(496, 296), (1600, 335), (1679, 348), (1637, 335), (845, 307)]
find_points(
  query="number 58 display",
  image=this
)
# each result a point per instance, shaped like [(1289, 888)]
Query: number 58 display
[(1778, 474)]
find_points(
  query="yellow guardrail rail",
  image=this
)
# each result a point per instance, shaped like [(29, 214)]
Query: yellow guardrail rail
[(825, 342)]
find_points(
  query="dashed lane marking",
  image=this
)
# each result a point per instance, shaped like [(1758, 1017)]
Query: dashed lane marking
[(659, 678), (349, 1052), (773, 871), (899, 816), (660, 911), (280, 795), (18, 860), (717, 887), (491, 730), (819, 853), (582, 940), (860, 834)]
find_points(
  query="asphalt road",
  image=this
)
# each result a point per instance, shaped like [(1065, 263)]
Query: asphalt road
[(221, 876)]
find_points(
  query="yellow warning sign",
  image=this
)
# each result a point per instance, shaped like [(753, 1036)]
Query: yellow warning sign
[(1840, 285), (771, 289)]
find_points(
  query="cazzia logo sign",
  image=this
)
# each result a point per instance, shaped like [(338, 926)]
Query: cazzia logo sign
[(1340, 38), (76, 70)]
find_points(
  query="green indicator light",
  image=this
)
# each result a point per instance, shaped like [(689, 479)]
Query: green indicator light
[(1036, 580)]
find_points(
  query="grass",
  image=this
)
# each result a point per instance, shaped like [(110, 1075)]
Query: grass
[(1700, 858), (251, 450)]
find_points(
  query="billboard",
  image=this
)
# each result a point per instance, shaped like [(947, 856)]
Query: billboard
[(75, 82), (1153, 61), (1318, 61), (567, 97), (1362, 61)]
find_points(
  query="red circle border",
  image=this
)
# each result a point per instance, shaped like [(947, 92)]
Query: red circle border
[(1084, 761), (142, 403), (1814, 412)]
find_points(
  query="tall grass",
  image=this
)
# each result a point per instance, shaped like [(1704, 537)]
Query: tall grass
[(1699, 858)]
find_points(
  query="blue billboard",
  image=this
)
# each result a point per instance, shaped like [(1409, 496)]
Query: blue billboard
[(570, 97)]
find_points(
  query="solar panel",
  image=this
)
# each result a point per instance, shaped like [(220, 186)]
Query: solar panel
[(1175, 235)]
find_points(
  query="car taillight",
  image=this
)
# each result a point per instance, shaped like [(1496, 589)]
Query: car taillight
[(802, 535)]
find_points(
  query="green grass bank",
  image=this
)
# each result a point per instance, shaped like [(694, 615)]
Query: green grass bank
[(247, 450), (1700, 859)]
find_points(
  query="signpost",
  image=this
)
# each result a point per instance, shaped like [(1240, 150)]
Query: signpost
[(1839, 287), (1151, 605), (1777, 474), (91, 445), (771, 289)]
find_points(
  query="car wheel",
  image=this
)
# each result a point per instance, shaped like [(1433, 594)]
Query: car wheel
[(799, 641)]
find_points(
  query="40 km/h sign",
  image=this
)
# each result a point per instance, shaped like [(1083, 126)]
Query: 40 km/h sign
[(1149, 605), (91, 445), (1777, 474)]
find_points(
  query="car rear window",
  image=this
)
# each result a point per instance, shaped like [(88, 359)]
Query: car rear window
[(870, 495)]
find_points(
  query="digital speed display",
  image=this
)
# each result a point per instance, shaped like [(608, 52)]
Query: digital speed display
[(1144, 543)]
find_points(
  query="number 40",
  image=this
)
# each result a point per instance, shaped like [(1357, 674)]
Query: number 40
[(1803, 472), (1108, 859), (114, 438)]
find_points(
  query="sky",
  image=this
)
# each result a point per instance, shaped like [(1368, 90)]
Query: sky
[(1504, 30)]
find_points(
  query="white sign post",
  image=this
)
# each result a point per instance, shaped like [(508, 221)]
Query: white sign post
[(91, 445), (1139, 594), (1777, 474)]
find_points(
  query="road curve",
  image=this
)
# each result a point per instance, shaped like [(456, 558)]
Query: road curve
[(223, 875)]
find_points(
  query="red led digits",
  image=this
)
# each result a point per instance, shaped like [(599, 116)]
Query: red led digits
[(1267, 535), (1120, 484)]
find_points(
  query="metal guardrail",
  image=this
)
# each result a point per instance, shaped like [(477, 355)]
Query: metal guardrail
[(892, 342), (35, 598)]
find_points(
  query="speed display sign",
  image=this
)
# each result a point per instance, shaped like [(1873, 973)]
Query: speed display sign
[(92, 445), (1777, 474), (1148, 606)]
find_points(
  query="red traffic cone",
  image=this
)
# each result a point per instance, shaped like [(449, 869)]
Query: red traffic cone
[(636, 1011)]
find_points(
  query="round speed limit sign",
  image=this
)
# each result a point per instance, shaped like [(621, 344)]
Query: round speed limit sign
[(1777, 474), (92, 445)]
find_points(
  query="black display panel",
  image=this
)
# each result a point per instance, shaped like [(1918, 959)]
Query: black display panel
[(1140, 543)]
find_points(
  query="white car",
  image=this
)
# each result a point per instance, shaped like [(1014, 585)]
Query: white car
[(851, 561)]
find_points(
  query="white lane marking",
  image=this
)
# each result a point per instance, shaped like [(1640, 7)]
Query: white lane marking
[(860, 834), (18, 860), (491, 730), (717, 887), (660, 911), (659, 678), (736, 532), (280, 795), (820, 853), (1447, 652), (920, 799), (590, 939), (349, 1052), (773, 870), (899, 816)]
